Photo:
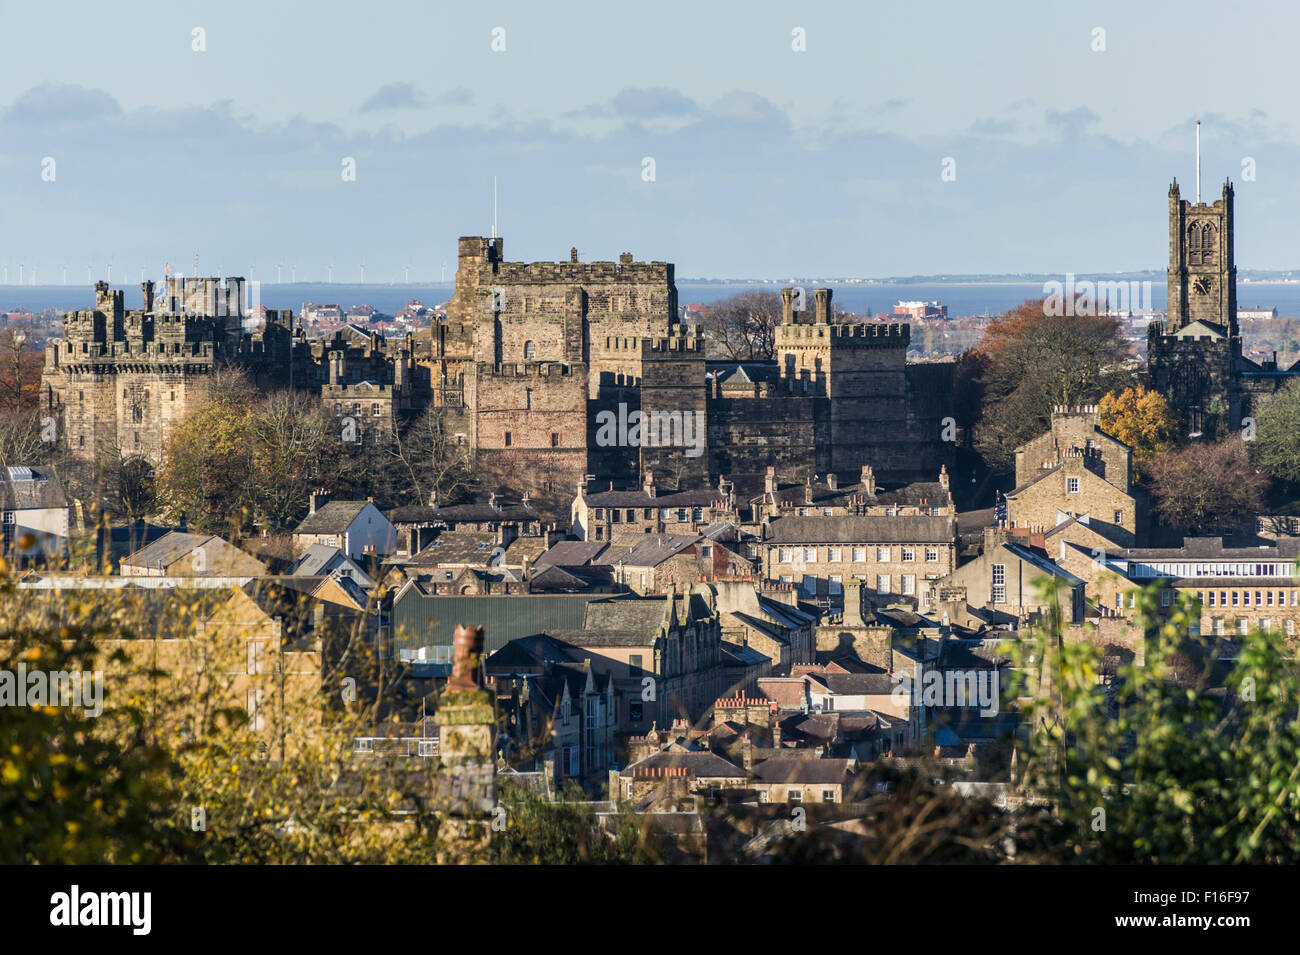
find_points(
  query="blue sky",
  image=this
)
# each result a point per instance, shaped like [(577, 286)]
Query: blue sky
[(768, 162)]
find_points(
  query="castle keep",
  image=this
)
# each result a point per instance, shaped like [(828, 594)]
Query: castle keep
[(530, 359)]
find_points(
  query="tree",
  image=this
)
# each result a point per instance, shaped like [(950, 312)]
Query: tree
[(1276, 447), (743, 327), (1033, 361), (1173, 764), (420, 459), (1142, 419), (1207, 487)]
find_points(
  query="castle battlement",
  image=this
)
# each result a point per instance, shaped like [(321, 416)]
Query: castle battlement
[(854, 334), (531, 369)]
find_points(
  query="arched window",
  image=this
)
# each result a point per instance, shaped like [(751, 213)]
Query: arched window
[(530, 351), (1207, 243)]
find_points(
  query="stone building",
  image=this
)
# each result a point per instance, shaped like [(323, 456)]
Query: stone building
[(1077, 471), (896, 557), (1195, 355), (118, 380), (546, 372)]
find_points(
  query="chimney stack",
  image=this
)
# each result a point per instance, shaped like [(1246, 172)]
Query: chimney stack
[(832, 482), (943, 475), (147, 288), (649, 485), (769, 481), (822, 305), (868, 480), (787, 306)]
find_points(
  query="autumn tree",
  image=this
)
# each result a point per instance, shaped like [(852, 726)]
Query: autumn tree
[(1276, 447), (1207, 487), (743, 327), (1032, 361), (1142, 419)]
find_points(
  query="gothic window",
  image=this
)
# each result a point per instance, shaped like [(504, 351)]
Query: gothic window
[(530, 351), (1207, 244)]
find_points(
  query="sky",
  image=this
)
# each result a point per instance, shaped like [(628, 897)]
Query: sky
[(696, 133)]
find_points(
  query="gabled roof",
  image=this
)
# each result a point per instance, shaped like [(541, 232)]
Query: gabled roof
[(701, 765), (571, 553), (653, 551), (334, 517), (1041, 562)]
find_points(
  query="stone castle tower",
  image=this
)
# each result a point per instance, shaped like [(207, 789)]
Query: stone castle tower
[(119, 379)]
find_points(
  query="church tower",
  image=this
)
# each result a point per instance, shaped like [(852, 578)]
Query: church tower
[(1202, 278), (1194, 356)]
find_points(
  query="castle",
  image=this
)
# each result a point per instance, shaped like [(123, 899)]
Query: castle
[(1194, 356), (529, 359)]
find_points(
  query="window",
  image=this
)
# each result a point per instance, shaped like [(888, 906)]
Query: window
[(706, 550), (253, 704), (836, 585), (1072, 485), (1241, 626), (555, 440), (636, 712), (1218, 626), (882, 583), (999, 584), (932, 555), (507, 439), (809, 585), (338, 408), (833, 555), (255, 664), (634, 664), (1164, 598), (530, 351), (909, 554), (1290, 628), (882, 555), (374, 409), (826, 512), (859, 554), (810, 555), (1119, 517), (909, 585), (795, 795), (783, 555), (828, 795)]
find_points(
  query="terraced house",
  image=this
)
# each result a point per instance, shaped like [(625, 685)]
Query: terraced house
[(896, 557)]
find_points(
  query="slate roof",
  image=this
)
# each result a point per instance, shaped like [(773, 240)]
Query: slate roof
[(652, 551), (571, 553), (858, 683), (334, 517), (455, 547), (701, 765), (639, 499), (862, 529), (786, 770), (626, 614)]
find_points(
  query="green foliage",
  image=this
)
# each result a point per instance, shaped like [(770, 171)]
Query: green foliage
[(1180, 760), (1276, 447), (538, 831)]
